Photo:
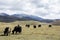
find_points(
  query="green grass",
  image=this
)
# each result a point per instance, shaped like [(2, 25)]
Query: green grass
[(41, 33)]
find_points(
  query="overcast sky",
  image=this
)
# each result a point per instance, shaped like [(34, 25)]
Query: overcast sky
[(48, 9)]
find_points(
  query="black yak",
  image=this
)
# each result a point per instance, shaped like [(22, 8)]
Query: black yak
[(27, 25), (7, 31), (39, 25), (34, 26), (17, 29), (50, 25)]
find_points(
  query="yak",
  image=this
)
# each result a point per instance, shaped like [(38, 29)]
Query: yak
[(17, 29), (50, 25), (7, 31)]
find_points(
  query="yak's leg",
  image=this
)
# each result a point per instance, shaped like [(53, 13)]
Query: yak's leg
[(6, 34), (12, 32)]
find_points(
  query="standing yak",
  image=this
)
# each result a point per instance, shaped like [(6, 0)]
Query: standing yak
[(17, 29), (7, 31)]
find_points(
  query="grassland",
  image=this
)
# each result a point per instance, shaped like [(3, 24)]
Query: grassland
[(40, 33)]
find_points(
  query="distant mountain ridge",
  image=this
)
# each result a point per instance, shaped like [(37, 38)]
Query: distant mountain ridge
[(21, 17), (3, 14)]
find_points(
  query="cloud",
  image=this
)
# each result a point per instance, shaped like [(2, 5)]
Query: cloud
[(49, 9), (52, 16)]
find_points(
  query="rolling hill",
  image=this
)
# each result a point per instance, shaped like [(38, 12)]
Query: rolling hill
[(56, 22), (21, 17)]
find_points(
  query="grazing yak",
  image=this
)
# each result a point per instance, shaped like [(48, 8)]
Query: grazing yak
[(7, 31), (27, 25), (39, 25), (34, 26), (17, 29), (50, 25)]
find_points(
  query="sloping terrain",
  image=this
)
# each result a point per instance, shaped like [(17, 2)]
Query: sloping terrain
[(56, 22), (39, 33)]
